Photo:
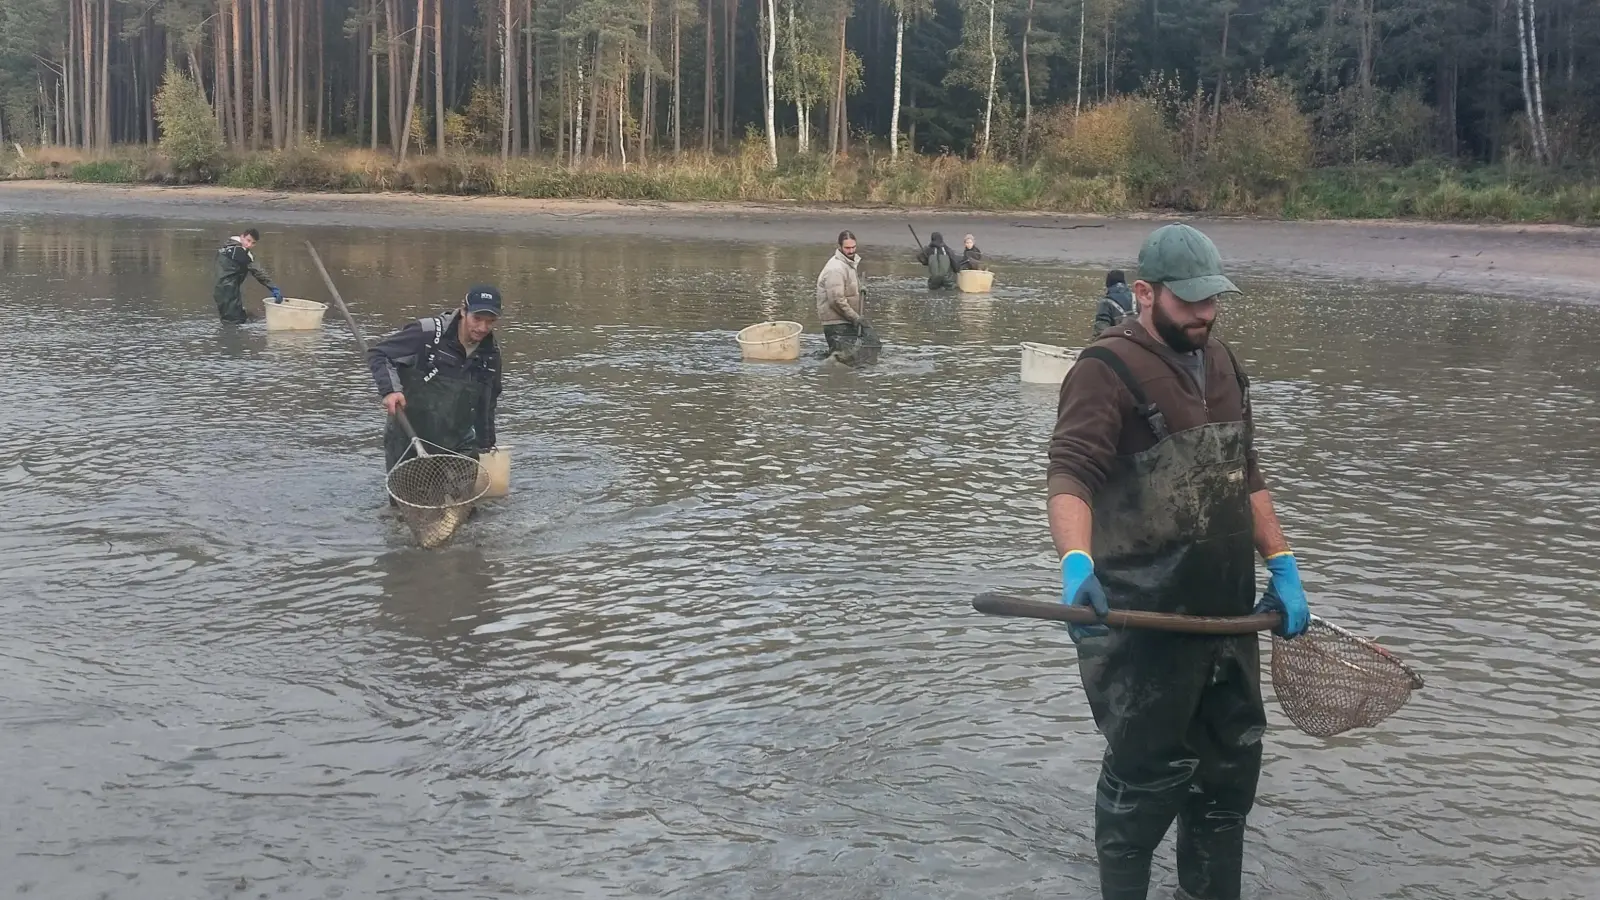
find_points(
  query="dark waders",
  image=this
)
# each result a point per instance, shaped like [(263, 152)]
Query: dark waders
[(1181, 714), (443, 408)]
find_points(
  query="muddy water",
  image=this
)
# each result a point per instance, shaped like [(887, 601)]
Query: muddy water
[(717, 643)]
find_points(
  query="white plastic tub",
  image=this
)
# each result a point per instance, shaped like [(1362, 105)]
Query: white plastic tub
[(497, 469), (1045, 363), (294, 314), (974, 281), (771, 341)]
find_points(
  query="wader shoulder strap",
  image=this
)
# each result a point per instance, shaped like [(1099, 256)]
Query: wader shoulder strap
[(1141, 402), (1241, 377)]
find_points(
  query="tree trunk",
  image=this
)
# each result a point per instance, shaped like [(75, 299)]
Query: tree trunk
[(396, 116), (238, 74), (994, 65), (530, 58), (438, 72), (322, 72), (1538, 80), (802, 124), (594, 97), (274, 75), (256, 113), (1222, 74), (374, 79), (508, 91), (730, 46), (1027, 84), (1083, 13), (710, 125), (363, 42), (68, 89), (1539, 151), (772, 100), (416, 74), (677, 79), (219, 76), (836, 115), (90, 140), (105, 76), (647, 97)]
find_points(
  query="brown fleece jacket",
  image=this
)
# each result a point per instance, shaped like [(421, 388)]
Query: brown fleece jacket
[(1096, 421)]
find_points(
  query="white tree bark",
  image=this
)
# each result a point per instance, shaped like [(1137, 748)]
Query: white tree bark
[(1539, 150), (899, 61), (770, 8), (1083, 15), (994, 64), (1538, 79), (802, 109)]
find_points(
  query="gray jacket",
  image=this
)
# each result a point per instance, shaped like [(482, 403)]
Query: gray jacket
[(1117, 302)]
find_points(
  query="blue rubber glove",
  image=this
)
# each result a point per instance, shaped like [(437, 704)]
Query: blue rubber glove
[(277, 296), (1286, 595), (1080, 587)]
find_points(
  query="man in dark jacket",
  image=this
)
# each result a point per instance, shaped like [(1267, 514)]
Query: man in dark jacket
[(1153, 469), (444, 371), (941, 268), (234, 262), (1117, 302)]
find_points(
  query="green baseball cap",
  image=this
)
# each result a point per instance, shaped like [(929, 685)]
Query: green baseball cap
[(1184, 260)]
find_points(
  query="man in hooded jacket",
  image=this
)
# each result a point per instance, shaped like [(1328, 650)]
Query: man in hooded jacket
[(941, 268), (234, 262), (841, 306), (1153, 470), (1117, 302)]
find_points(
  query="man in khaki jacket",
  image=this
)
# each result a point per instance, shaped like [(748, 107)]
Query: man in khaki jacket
[(841, 304)]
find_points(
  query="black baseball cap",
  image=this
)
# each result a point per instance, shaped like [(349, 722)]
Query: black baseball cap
[(483, 298)]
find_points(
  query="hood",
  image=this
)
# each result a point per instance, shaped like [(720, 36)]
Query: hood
[(1121, 294), (851, 262)]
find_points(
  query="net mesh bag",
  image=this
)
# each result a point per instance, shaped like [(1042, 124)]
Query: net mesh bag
[(1329, 681), (435, 493)]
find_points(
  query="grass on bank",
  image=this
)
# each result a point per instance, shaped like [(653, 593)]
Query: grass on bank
[(1429, 191)]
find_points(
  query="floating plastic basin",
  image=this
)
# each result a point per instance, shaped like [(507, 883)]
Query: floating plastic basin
[(1045, 363), (974, 281), (294, 314), (771, 341)]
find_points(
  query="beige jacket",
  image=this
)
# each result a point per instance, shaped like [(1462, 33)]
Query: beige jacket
[(839, 290)]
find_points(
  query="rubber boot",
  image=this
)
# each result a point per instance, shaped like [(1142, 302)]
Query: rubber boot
[(1130, 819)]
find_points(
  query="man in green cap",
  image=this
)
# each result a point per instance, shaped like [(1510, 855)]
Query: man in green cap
[(1156, 503)]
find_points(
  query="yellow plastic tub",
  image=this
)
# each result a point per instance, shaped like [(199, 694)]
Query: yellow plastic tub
[(294, 314), (974, 281), (771, 341)]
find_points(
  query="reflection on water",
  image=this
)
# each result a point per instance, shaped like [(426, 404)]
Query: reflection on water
[(716, 643)]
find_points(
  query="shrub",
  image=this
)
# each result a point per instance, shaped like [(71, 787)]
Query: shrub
[(191, 138)]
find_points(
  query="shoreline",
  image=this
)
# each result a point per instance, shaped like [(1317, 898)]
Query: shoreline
[(1560, 261)]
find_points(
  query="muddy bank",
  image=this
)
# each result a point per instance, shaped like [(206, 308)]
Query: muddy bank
[(1541, 261)]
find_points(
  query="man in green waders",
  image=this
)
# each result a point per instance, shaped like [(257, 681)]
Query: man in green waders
[(234, 262), (941, 268), (444, 371), (1156, 503)]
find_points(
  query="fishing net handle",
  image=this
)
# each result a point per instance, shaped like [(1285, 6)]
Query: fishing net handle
[(1056, 611), (361, 341)]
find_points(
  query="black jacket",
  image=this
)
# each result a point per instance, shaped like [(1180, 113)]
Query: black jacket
[(1117, 302), (409, 347)]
